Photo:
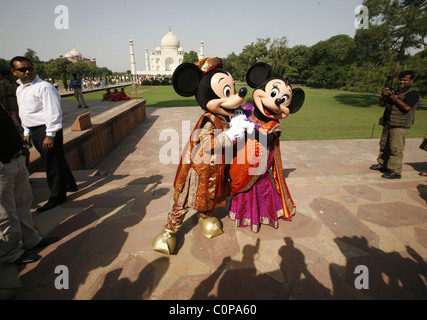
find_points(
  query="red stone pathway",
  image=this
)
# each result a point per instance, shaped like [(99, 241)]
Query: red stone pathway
[(347, 216)]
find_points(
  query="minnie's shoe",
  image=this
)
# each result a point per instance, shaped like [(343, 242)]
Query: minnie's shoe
[(211, 227)]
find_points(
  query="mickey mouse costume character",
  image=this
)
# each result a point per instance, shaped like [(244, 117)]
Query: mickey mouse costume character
[(201, 180), (255, 201)]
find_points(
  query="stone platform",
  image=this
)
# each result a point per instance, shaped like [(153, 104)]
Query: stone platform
[(347, 216), (92, 133)]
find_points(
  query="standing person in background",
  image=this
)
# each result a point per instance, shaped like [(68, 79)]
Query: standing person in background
[(76, 85), (423, 146), (399, 114), (8, 94), (8, 99), (41, 115), (17, 233)]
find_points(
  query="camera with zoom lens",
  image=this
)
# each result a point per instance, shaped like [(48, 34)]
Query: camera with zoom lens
[(392, 90)]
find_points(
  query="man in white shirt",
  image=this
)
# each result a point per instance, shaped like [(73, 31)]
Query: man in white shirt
[(41, 115)]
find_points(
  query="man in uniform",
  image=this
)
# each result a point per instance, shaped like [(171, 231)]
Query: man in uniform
[(399, 114)]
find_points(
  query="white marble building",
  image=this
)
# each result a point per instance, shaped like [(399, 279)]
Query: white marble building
[(164, 59), (75, 55)]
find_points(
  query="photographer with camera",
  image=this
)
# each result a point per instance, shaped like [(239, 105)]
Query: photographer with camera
[(399, 114)]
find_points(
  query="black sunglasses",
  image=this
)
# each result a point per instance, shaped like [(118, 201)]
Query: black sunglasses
[(23, 70)]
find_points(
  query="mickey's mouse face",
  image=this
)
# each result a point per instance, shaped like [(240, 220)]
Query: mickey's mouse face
[(227, 99), (273, 99), (213, 87)]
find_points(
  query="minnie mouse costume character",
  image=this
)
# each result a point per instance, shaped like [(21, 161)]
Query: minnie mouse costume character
[(255, 201), (201, 181)]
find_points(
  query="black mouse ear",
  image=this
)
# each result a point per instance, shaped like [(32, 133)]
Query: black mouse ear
[(186, 79), (298, 97), (258, 73)]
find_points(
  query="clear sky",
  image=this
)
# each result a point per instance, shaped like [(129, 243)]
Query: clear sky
[(102, 28)]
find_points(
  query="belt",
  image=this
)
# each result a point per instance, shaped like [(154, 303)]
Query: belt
[(16, 156), (37, 127)]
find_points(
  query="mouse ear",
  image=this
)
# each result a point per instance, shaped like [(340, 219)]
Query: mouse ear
[(258, 73), (186, 79), (298, 97)]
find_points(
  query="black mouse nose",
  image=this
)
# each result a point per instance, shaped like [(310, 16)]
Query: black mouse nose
[(279, 101), (243, 92)]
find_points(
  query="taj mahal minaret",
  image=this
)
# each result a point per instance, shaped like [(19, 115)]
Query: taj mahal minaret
[(202, 50), (132, 58)]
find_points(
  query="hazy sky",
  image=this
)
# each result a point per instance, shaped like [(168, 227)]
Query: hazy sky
[(102, 29)]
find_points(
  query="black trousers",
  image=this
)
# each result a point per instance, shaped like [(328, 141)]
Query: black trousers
[(58, 173)]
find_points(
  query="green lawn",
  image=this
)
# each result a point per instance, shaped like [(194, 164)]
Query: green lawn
[(325, 115), (333, 114)]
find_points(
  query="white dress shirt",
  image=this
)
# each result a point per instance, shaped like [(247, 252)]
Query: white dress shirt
[(39, 104)]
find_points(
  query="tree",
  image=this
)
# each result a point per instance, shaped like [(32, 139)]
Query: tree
[(238, 65), (373, 45), (4, 64), (32, 55), (329, 60), (253, 53), (404, 21), (104, 71), (418, 62), (190, 57), (80, 68), (232, 65), (37, 63), (93, 71), (58, 68), (298, 57), (277, 57)]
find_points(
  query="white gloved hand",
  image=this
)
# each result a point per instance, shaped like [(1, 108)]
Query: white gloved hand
[(235, 133), (250, 127), (237, 119), (240, 120)]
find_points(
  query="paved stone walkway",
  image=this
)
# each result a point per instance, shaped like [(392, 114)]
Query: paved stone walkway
[(347, 216)]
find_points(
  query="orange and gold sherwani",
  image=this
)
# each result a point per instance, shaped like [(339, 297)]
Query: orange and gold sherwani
[(201, 181)]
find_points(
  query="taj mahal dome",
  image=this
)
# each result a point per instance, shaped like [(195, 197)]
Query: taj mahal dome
[(164, 59), (75, 55)]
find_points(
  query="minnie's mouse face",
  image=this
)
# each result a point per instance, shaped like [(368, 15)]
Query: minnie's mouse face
[(273, 99), (227, 99)]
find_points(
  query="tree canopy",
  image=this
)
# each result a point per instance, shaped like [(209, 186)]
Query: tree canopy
[(395, 40), (62, 68), (190, 57)]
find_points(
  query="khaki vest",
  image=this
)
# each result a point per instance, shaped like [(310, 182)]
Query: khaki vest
[(401, 118)]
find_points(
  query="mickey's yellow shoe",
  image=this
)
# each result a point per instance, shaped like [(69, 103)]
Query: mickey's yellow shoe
[(165, 242)]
